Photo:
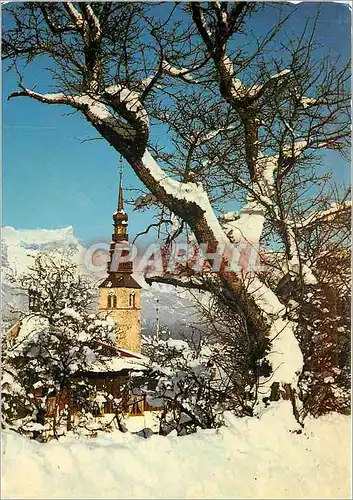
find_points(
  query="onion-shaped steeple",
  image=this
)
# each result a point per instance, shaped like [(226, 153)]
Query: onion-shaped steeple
[(120, 235)]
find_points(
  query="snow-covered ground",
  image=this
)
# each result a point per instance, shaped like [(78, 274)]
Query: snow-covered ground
[(247, 458)]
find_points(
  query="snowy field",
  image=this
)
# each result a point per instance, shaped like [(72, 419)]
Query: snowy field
[(248, 458)]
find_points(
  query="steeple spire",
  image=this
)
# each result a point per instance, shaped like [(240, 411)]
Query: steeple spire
[(121, 197), (120, 234)]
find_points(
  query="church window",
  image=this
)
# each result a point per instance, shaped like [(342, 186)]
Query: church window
[(112, 301)]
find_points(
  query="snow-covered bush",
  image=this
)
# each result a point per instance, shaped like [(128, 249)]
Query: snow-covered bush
[(194, 383), (182, 381), (239, 352), (45, 361)]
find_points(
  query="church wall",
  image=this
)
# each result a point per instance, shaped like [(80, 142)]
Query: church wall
[(127, 315), (123, 298)]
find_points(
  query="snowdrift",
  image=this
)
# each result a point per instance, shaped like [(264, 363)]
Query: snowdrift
[(247, 458)]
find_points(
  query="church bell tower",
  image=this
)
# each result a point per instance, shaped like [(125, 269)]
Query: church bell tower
[(119, 294)]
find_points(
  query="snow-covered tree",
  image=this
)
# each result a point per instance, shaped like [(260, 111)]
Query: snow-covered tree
[(54, 283), (242, 119), (45, 361), (197, 378), (183, 380), (323, 312)]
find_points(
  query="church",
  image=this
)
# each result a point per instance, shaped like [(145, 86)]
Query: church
[(119, 294), (120, 298)]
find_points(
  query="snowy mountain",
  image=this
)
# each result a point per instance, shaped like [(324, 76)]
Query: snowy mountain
[(20, 246)]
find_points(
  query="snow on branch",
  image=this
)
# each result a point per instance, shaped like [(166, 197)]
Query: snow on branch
[(145, 83), (199, 139), (295, 148), (239, 90), (74, 14), (182, 73), (247, 226), (188, 192), (280, 74), (94, 19), (95, 110), (295, 263), (258, 90), (55, 98), (119, 96), (229, 216), (325, 215), (309, 102), (306, 102), (98, 113)]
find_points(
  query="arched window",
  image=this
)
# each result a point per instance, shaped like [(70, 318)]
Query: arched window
[(132, 300), (112, 301)]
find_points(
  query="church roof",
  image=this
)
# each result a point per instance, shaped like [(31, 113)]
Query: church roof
[(117, 365), (118, 360), (121, 280)]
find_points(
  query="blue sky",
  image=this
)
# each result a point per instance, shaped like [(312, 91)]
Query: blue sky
[(52, 179)]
